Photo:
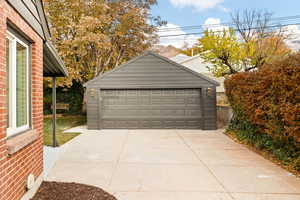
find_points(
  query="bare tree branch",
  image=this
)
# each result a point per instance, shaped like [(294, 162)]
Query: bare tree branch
[(253, 28)]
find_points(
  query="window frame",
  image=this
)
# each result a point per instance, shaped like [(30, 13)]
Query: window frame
[(12, 128)]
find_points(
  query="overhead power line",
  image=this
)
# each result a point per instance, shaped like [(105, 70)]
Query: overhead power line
[(273, 21), (174, 39), (254, 28)]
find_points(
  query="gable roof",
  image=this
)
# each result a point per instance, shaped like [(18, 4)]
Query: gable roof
[(192, 58), (148, 67), (180, 57), (184, 59), (201, 67), (196, 63)]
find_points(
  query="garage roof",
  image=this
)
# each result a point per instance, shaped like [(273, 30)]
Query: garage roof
[(151, 70)]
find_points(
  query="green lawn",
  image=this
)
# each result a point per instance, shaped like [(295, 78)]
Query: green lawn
[(63, 123)]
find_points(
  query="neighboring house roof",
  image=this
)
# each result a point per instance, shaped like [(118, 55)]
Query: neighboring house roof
[(33, 13), (151, 70), (166, 51), (197, 64), (180, 58)]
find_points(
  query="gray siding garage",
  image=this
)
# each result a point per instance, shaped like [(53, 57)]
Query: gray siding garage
[(151, 92)]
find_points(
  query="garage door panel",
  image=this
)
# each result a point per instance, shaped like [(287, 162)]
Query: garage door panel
[(150, 100), (161, 108), (146, 107), (163, 113), (151, 124)]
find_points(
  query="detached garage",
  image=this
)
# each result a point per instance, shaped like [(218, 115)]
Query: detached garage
[(151, 92)]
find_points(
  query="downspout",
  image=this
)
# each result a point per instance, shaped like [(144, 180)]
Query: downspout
[(54, 142)]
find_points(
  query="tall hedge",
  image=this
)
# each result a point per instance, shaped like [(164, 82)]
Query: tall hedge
[(269, 98)]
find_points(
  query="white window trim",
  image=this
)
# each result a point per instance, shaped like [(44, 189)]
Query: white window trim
[(13, 129)]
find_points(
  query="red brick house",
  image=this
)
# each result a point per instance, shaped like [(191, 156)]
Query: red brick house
[(26, 55)]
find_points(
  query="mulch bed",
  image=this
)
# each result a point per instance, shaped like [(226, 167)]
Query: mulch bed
[(70, 191)]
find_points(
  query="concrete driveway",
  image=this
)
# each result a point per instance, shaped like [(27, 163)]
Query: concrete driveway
[(172, 165)]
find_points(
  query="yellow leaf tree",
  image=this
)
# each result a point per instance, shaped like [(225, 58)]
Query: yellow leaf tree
[(248, 45), (97, 35)]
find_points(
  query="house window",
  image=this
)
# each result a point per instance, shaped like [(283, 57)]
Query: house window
[(17, 60)]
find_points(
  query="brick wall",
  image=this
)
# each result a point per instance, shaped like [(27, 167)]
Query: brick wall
[(15, 168)]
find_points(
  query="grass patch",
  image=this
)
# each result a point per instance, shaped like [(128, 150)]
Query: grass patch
[(62, 123)]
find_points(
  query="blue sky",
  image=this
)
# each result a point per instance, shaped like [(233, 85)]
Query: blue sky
[(196, 12)]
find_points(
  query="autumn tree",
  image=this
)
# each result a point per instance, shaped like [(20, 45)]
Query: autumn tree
[(97, 35), (223, 50), (247, 45), (263, 42)]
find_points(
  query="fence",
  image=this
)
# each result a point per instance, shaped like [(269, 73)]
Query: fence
[(224, 114)]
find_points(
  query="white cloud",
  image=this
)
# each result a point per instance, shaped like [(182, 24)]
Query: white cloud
[(214, 24), (198, 4), (224, 9), (176, 41), (293, 33)]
